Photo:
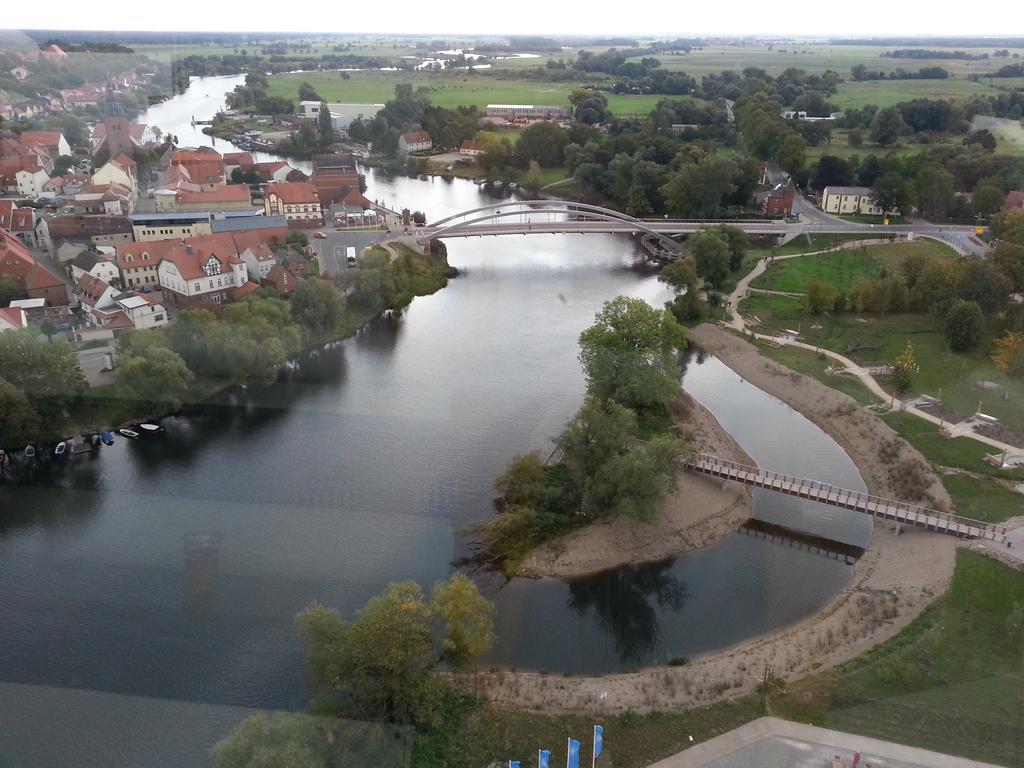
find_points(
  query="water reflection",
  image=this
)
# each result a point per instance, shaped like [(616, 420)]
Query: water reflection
[(626, 602)]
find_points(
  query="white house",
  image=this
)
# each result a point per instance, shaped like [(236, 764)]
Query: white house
[(118, 170), (298, 201), (31, 183), (97, 299), (259, 260), (95, 265), (143, 310), (415, 141), (850, 201), (209, 273)]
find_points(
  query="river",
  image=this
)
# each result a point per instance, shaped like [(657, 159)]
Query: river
[(172, 567)]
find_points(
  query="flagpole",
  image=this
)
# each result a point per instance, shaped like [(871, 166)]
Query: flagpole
[(568, 750), (593, 747)]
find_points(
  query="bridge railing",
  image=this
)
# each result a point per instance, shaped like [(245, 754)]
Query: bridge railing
[(897, 510)]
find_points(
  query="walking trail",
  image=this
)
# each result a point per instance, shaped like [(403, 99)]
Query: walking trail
[(737, 322)]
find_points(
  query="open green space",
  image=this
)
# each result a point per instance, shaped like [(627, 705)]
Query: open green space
[(949, 682), (447, 89), (839, 145), (885, 93), (816, 366), (839, 269)]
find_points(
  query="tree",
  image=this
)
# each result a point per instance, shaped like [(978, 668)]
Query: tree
[(904, 367), (892, 193), (308, 93), (632, 484), (988, 199), (522, 482), (982, 282), (48, 328), (468, 619), (681, 275), (711, 256), (533, 177), (964, 326), (589, 107), (600, 430), (934, 190), (47, 374), (819, 297), (325, 126), (1009, 355), (151, 372), (18, 419), (629, 353), (736, 239), (383, 661), (544, 142), (855, 138), (697, 189), (887, 126), (831, 171), (1008, 258), (638, 205), (264, 741), (791, 152), (318, 306)]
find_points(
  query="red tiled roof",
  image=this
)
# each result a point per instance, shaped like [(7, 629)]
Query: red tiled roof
[(46, 138), (15, 316), (416, 137), (21, 220), (40, 277), (224, 193), (246, 289), (469, 144), (294, 192), (7, 208)]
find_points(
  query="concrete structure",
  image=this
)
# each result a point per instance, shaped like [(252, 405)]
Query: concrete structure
[(298, 202), (147, 227), (849, 200), (757, 743), (520, 112), (823, 493), (342, 114), (415, 141)]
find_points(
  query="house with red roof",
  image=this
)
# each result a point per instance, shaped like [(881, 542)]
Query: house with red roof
[(97, 299), (12, 318), (17, 263), (122, 170), (298, 202), (281, 280), (472, 148), (53, 141), (203, 271), (273, 171), (237, 160), (215, 197), (415, 141), (205, 166)]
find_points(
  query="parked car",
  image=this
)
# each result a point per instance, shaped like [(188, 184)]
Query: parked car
[(319, 235)]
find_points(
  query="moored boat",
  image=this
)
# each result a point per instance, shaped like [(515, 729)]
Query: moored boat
[(131, 434)]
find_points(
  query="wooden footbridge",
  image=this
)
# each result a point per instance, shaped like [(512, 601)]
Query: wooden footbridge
[(824, 493)]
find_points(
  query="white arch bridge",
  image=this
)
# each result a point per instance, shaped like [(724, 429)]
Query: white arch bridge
[(537, 217)]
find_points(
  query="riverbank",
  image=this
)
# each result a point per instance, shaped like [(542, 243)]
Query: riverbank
[(894, 581), (699, 512)]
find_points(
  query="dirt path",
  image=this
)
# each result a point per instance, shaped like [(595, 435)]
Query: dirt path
[(698, 513)]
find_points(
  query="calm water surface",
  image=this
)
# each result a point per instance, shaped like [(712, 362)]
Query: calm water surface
[(173, 567)]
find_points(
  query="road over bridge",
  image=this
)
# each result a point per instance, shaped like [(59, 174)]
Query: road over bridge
[(535, 217)]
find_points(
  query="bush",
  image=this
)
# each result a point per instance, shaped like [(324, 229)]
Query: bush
[(964, 326)]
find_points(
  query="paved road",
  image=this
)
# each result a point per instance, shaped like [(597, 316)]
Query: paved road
[(331, 250)]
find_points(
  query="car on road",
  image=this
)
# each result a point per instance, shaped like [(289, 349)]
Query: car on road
[(319, 235)]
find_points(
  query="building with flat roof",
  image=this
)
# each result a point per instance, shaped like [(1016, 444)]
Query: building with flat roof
[(528, 112), (849, 200), (342, 114)]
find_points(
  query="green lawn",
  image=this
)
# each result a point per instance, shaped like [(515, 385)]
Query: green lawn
[(950, 682), (839, 145), (839, 269), (815, 366), (446, 89)]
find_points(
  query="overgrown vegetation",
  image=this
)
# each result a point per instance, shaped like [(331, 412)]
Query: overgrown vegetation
[(617, 455)]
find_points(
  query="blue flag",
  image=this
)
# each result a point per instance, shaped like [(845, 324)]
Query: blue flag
[(573, 758), (598, 740), (543, 758), (513, 764)]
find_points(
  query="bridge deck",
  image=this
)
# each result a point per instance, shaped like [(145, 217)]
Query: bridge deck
[(876, 506)]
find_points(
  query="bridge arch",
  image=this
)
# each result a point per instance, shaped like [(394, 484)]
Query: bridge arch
[(456, 222)]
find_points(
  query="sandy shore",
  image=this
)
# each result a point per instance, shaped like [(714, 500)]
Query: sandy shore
[(893, 582), (697, 513)]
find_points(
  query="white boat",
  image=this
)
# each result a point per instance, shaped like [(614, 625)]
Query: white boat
[(60, 449), (131, 434), (151, 428)]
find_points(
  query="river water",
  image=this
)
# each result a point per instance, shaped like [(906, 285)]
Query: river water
[(172, 567)]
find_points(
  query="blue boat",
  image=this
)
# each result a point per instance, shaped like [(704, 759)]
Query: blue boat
[(107, 438)]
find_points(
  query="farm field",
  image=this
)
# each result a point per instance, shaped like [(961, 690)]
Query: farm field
[(446, 90), (885, 93), (839, 145)]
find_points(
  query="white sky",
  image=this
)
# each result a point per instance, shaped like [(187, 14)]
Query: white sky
[(627, 17)]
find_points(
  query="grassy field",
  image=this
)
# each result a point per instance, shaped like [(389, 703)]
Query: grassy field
[(446, 89), (950, 682), (815, 366), (839, 145), (954, 376), (885, 93)]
